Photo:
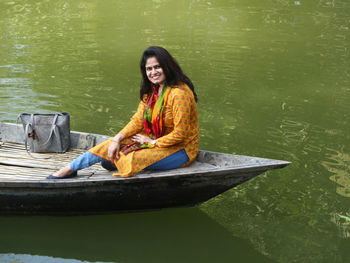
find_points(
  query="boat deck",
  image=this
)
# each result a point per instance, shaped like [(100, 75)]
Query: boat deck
[(17, 164)]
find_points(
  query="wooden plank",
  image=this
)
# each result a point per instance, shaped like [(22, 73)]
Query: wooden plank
[(35, 174), (16, 164)]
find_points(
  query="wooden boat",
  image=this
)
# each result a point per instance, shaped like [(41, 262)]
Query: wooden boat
[(24, 189)]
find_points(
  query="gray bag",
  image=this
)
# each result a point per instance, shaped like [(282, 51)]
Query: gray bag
[(46, 132)]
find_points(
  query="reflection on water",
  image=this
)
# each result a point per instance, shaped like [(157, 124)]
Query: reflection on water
[(179, 235), (19, 258), (338, 163), (343, 222), (272, 79), (298, 234)]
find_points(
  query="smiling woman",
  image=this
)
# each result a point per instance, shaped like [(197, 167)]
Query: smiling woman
[(163, 134)]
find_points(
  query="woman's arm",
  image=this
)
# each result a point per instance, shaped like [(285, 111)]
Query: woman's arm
[(136, 123), (134, 126)]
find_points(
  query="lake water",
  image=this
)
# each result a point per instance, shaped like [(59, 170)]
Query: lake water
[(273, 80)]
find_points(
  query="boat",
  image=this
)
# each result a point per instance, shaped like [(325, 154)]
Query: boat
[(24, 188)]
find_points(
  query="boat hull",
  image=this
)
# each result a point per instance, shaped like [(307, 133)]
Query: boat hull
[(117, 195), (24, 189)]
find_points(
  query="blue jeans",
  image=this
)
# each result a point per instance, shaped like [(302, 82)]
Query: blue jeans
[(172, 161)]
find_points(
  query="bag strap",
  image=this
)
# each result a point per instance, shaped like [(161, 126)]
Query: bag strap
[(53, 131), (32, 122), (26, 132)]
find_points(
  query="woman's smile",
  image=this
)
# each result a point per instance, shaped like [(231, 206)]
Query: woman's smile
[(154, 71)]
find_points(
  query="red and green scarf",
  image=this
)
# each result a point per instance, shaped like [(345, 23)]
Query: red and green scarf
[(153, 114), (152, 118)]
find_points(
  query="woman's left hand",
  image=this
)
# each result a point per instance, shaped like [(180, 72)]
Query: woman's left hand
[(142, 139)]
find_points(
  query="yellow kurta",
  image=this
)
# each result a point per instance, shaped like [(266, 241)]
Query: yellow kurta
[(181, 131)]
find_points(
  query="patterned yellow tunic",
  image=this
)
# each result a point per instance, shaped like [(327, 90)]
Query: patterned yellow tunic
[(180, 132)]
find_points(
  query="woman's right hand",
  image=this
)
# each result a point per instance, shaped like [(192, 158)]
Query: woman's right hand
[(113, 150), (114, 147)]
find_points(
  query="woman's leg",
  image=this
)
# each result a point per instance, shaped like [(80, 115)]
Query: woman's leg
[(85, 160), (108, 165), (173, 161)]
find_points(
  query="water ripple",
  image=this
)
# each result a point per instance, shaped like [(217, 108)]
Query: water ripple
[(338, 163)]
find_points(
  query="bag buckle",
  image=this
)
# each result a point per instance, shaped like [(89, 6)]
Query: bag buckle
[(32, 135)]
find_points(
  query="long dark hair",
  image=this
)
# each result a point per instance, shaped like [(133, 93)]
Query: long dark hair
[(173, 72)]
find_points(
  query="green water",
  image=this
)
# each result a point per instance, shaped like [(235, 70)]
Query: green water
[(273, 80)]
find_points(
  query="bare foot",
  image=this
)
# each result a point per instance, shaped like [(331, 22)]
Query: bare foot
[(63, 172)]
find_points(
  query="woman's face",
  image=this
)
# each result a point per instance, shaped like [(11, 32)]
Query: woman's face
[(154, 71)]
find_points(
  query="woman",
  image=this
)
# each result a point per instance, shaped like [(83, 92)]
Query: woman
[(163, 134)]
